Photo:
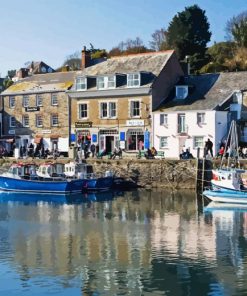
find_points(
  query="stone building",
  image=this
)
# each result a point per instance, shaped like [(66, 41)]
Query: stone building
[(111, 102), (36, 110)]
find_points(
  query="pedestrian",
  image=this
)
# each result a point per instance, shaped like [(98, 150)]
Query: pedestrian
[(209, 147), (92, 149)]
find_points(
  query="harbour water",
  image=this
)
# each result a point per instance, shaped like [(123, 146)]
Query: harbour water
[(123, 243)]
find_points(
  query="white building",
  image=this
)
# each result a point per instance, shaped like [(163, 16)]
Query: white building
[(198, 108)]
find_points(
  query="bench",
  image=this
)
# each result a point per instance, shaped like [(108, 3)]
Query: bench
[(159, 155), (140, 154)]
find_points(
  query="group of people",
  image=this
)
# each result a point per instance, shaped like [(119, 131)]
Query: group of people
[(38, 152), (150, 153)]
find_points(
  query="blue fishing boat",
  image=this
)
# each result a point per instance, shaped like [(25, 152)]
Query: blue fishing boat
[(23, 178)]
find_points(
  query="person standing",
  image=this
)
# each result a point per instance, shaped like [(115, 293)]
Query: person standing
[(209, 147), (92, 148)]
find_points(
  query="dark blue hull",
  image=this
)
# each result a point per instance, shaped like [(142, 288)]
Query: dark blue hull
[(40, 186), (98, 184)]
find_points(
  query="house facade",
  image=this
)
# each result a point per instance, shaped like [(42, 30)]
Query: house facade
[(200, 108), (112, 102), (36, 111)]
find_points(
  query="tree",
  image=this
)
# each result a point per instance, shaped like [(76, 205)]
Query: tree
[(7, 83), (188, 33), (159, 40), (11, 73), (128, 47), (73, 61), (219, 53), (236, 29)]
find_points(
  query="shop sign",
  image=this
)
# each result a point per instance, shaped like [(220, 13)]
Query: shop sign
[(11, 132), (135, 122), (79, 124), (46, 131), (32, 109)]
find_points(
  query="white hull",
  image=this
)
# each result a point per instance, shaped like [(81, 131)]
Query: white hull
[(228, 199)]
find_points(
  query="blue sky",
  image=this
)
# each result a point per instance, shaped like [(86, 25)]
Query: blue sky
[(50, 30)]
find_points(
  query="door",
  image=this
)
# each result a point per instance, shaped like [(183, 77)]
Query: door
[(109, 143)]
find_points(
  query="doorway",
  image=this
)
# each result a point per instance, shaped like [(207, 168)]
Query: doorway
[(109, 144)]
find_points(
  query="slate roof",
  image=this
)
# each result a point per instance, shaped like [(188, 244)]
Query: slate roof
[(40, 83), (148, 62), (207, 91)]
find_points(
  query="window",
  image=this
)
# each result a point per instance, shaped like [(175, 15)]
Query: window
[(54, 120), (25, 121), (100, 82), (39, 101), (11, 102), (200, 118), (81, 83), (181, 123), (198, 142), (104, 82), (82, 111), (163, 142), (163, 119), (12, 121), (108, 110), (133, 80), (25, 101), (111, 82), (135, 139), (103, 110), (135, 108), (181, 92), (112, 109), (54, 101), (39, 121)]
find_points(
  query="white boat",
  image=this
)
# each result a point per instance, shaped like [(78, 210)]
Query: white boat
[(229, 184)]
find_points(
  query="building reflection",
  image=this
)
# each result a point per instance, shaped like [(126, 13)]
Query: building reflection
[(122, 242)]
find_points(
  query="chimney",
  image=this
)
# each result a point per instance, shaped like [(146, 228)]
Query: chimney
[(22, 73), (85, 58)]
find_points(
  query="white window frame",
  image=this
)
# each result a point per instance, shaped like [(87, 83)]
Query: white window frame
[(181, 92), (164, 119), (80, 111), (106, 82), (195, 142), (11, 120), (200, 117), (111, 81), (25, 120), (81, 83), (25, 102), (52, 99), (38, 117), (181, 123), (39, 100), (163, 142), (131, 103), (108, 110), (52, 119), (12, 102), (133, 80)]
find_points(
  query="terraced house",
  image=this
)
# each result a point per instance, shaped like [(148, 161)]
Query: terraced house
[(36, 110), (111, 102)]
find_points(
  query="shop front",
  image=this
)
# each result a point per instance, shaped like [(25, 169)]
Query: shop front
[(108, 140)]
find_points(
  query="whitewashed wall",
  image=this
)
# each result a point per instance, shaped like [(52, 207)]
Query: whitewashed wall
[(214, 128)]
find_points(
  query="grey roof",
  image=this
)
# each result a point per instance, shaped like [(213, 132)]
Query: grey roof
[(50, 82), (148, 62), (206, 92)]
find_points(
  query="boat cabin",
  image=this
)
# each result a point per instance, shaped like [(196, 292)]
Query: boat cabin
[(51, 170), (78, 170), (229, 179), (24, 171)]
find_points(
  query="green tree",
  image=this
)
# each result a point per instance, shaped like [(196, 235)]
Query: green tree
[(236, 29), (219, 54), (7, 83), (188, 33)]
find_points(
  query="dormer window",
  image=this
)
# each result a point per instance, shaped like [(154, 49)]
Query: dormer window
[(181, 92), (134, 80), (104, 82), (81, 83)]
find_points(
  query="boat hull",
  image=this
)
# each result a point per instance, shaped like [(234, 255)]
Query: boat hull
[(226, 196), (103, 183), (40, 186)]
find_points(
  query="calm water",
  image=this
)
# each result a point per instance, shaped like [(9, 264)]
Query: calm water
[(132, 243)]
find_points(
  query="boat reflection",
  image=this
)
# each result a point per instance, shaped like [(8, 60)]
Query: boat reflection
[(218, 207), (73, 198)]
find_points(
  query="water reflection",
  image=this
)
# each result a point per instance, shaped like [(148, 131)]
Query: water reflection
[(136, 243)]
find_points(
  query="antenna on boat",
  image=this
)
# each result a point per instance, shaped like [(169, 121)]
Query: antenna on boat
[(231, 146)]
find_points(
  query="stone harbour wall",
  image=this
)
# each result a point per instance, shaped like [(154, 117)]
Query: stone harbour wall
[(174, 174)]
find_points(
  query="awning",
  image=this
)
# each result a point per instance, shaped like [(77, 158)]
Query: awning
[(37, 140)]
